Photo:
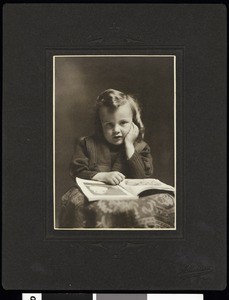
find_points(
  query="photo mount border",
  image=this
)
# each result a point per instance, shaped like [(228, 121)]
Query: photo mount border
[(140, 51)]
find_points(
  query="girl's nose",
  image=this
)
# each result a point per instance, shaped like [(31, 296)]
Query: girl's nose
[(116, 129)]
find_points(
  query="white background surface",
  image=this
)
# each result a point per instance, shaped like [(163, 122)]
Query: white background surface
[(175, 297), (34, 296)]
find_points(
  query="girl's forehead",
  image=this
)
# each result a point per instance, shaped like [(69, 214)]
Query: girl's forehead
[(123, 111)]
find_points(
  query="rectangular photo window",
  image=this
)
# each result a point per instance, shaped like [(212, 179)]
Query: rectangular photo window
[(114, 142)]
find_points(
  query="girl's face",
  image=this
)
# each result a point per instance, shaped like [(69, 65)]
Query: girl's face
[(116, 124)]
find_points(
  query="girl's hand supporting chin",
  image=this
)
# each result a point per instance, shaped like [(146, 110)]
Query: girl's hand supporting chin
[(130, 139)]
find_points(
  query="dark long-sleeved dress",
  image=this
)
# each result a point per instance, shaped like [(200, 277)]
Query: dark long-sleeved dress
[(94, 154)]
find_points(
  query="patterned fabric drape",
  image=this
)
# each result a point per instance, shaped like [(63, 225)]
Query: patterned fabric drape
[(155, 210)]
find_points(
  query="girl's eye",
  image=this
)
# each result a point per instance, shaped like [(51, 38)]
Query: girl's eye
[(108, 125), (123, 122)]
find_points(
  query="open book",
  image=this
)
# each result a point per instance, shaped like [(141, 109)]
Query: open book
[(128, 189)]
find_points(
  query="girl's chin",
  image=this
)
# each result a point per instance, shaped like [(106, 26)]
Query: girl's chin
[(118, 143)]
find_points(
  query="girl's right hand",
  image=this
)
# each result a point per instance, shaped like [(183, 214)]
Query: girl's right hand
[(113, 177), (132, 135)]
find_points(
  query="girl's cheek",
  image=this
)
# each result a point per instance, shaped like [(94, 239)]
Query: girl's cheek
[(127, 129), (108, 131)]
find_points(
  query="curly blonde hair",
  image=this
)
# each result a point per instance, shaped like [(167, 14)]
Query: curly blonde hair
[(113, 99)]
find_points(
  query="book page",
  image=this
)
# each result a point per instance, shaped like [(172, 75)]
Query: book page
[(96, 190), (136, 186), (105, 189)]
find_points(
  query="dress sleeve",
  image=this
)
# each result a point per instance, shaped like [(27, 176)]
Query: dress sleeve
[(79, 166), (141, 163)]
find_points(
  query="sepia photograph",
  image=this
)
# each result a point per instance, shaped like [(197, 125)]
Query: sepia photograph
[(114, 148), (114, 142)]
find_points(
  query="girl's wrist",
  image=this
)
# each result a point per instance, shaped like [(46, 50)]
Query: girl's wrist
[(128, 144), (129, 150), (99, 176)]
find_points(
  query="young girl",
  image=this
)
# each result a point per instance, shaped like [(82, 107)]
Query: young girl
[(116, 150)]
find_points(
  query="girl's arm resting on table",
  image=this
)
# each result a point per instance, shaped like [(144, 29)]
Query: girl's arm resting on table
[(141, 163), (79, 167)]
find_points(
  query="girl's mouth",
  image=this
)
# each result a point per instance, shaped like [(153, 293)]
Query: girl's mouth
[(117, 137)]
